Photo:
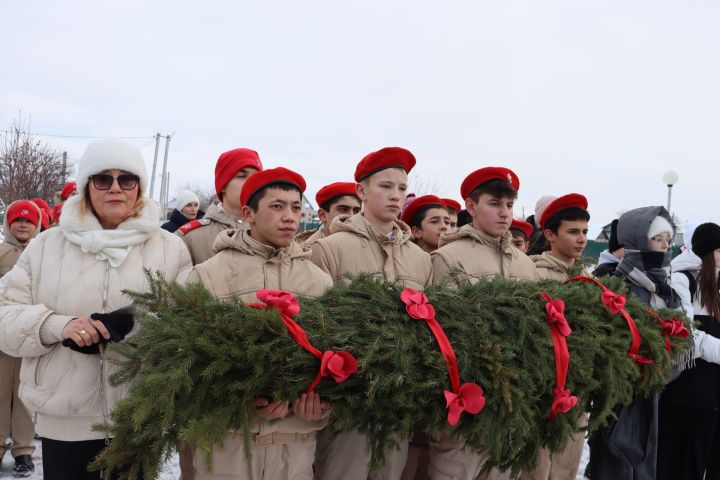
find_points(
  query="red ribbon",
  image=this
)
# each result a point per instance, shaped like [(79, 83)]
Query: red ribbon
[(467, 397), (671, 328), (615, 303), (559, 330), (339, 365)]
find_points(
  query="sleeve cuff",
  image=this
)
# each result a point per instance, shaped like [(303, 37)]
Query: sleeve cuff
[(51, 329)]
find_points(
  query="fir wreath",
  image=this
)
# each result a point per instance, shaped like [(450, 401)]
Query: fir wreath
[(198, 363)]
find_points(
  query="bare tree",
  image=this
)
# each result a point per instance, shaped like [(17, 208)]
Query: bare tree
[(423, 185), (205, 195), (29, 167)]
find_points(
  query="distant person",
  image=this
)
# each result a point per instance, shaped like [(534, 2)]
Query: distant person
[(428, 219), (187, 209), (538, 242), (610, 258), (454, 208), (338, 199), (22, 224), (68, 190), (46, 213), (521, 232)]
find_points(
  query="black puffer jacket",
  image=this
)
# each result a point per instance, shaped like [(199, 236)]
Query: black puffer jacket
[(177, 220)]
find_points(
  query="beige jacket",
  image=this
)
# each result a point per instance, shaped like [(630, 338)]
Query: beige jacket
[(11, 248), (355, 246), (478, 255), (53, 282), (241, 267), (550, 268), (309, 237), (200, 240)]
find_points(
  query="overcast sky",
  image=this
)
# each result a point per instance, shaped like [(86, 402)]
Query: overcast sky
[(595, 97)]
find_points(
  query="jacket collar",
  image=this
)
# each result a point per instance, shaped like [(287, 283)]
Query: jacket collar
[(502, 244), (547, 260), (359, 225), (217, 213), (241, 240)]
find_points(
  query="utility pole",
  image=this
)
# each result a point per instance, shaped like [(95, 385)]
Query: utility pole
[(164, 169), (154, 169), (64, 168)]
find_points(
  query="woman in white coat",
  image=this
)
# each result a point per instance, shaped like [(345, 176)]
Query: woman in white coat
[(107, 235)]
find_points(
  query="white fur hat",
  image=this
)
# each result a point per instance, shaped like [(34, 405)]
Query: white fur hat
[(658, 226), (184, 197), (108, 155)]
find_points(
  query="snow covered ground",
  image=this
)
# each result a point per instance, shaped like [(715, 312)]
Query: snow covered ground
[(171, 470)]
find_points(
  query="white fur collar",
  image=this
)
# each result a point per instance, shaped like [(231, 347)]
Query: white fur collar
[(108, 245)]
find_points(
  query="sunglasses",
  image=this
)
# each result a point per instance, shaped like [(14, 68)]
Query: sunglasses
[(103, 181)]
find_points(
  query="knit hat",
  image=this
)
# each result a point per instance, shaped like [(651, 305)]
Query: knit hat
[(688, 231), (613, 243), (659, 225), (230, 163), (706, 239), (108, 155), (184, 197), (540, 205), (23, 209), (68, 189)]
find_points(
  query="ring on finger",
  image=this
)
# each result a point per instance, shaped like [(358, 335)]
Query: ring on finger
[(82, 332)]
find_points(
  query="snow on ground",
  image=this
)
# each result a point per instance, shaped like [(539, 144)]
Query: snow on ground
[(172, 469)]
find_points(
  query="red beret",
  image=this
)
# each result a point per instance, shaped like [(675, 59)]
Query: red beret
[(419, 203), (67, 190), (337, 189), (478, 177), (571, 200), (230, 163), (23, 209), (279, 175), (56, 211), (384, 158), (452, 204), (522, 226), (42, 204)]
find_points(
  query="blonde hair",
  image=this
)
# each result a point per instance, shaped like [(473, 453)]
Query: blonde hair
[(86, 204)]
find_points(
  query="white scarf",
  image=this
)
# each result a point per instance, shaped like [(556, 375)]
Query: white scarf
[(114, 245)]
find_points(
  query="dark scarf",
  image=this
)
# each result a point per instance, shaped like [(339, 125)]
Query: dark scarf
[(645, 274)]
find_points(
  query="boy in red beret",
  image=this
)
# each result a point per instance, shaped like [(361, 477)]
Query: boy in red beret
[(377, 243), (22, 224), (265, 251), (428, 219), (564, 223), (338, 199), (453, 209), (231, 171), (521, 232), (481, 249)]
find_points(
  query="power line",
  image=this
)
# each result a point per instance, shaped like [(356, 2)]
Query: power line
[(80, 136)]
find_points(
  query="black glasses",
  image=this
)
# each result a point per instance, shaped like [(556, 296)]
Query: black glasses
[(103, 181)]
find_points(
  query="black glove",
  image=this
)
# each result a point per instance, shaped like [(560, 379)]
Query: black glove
[(118, 326)]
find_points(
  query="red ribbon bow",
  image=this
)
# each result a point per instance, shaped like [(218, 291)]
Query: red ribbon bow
[(562, 403), (559, 330), (615, 303), (339, 365), (467, 397), (555, 310), (671, 328)]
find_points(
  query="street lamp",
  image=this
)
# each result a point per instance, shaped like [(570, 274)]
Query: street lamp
[(670, 178)]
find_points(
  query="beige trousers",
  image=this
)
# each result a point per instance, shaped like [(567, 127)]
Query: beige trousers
[(274, 457), (448, 459), (15, 419), (563, 465), (347, 457)]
